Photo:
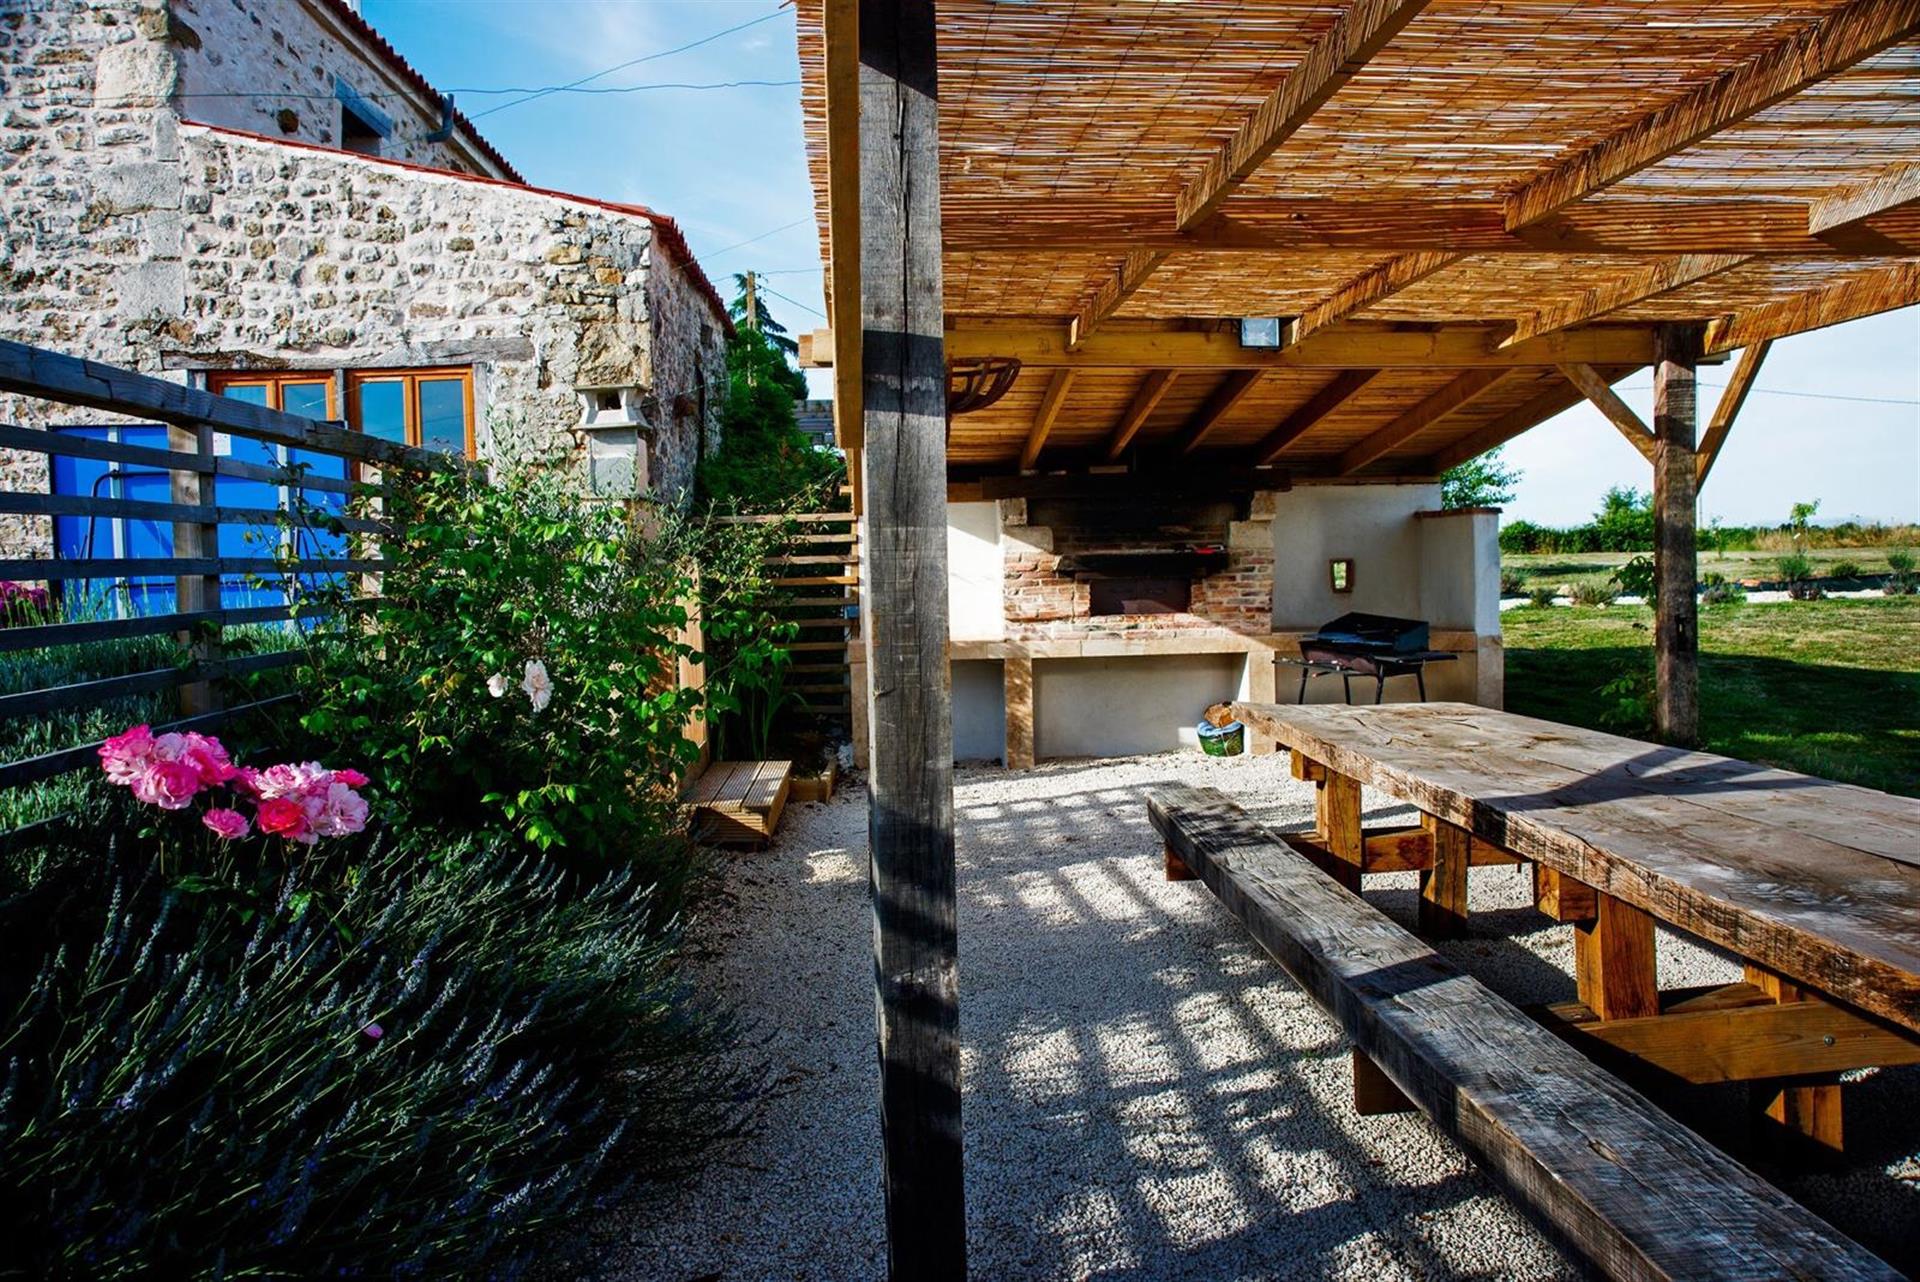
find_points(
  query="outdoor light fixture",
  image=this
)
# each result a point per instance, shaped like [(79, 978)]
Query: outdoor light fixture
[(616, 423), (1260, 331), (1340, 574)]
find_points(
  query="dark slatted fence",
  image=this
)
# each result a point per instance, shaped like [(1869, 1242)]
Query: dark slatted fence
[(813, 581), (308, 468)]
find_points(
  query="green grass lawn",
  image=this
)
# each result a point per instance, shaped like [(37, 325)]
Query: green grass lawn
[(1829, 688), (1551, 569)]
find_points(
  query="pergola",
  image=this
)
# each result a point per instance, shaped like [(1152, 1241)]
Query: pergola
[(1464, 215)]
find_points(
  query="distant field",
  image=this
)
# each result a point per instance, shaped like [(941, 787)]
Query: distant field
[(1559, 569), (1829, 688)]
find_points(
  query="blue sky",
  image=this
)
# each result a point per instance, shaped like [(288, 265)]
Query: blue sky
[(729, 166)]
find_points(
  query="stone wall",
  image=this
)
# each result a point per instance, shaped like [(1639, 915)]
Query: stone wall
[(269, 67)]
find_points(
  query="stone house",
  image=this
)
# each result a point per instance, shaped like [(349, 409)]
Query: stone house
[(263, 198)]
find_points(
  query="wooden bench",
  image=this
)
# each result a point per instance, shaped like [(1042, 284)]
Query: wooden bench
[(1618, 1181)]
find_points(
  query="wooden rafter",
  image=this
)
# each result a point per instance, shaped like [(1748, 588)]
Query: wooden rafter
[(1497, 432), (1230, 393), (1153, 389), (1338, 390), (1595, 388), (1895, 187), (1448, 400), (1844, 300), (1823, 49), (1731, 399), (1355, 37), (1624, 292), (1043, 421), (842, 21), (1366, 289)]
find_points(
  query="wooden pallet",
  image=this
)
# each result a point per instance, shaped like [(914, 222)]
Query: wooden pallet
[(738, 803)]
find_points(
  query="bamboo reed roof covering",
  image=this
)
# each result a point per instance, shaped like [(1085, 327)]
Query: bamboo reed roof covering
[(1444, 202)]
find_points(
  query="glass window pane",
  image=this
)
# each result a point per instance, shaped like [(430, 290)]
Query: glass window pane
[(443, 414), (252, 394), (308, 400), (383, 410)]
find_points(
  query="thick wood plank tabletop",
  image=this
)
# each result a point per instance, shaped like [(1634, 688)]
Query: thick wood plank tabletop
[(1816, 880)]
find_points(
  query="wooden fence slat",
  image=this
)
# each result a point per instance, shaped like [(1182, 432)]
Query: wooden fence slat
[(49, 635), (86, 694), (48, 441), (842, 518), (164, 567), (20, 504), (59, 762)]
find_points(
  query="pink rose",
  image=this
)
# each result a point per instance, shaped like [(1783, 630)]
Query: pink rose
[(208, 756), (228, 825), (291, 781), (170, 785), (124, 757), (283, 817), (351, 778), (246, 782), (340, 811)]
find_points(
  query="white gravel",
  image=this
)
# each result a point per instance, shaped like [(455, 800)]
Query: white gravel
[(1147, 1095)]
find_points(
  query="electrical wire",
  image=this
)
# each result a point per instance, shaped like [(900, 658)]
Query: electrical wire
[(805, 307), (753, 240), (1811, 396)]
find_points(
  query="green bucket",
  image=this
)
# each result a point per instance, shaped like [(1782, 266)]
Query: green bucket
[(1229, 740)]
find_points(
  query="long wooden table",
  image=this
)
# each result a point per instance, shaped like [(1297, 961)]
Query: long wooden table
[(1814, 884)]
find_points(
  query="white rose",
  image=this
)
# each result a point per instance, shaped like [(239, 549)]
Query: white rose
[(497, 684), (538, 685)]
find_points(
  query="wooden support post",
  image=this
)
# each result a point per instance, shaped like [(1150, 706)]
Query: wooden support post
[(1614, 962), (1336, 812), (1561, 897), (1177, 869), (1443, 887), (1262, 686), (1017, 675), (196, 539), (910, 783), (1810, 1108), (1373, 1091), (1676, 637)]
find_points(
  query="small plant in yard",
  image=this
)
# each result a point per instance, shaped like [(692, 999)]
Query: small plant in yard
[(1593, 592), (1636, 578), (1716, 589), (1626, 701), (23, 604), (1796, 570), (1512, 583), (1542, 597), (1844, 569), (1901, 579)]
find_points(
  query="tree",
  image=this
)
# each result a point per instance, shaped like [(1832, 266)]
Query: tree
[(765, 462), (762, 319), (1485, 481), (1624, 522)]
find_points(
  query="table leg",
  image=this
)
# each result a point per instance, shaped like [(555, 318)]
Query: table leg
[(1336, 812), (1420, 680), (1810, 1108), (1303, 686), (1379, 687), (1613, 960), (1443, 887), (1346, 683)]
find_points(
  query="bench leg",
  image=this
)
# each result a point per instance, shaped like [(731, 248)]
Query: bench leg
[(1177, 869), (1336, 812), (1809, 1108), (1614, 961), (1443, 887), (1373, 1091), (1561, 897)]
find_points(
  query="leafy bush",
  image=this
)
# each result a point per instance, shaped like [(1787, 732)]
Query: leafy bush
[(1844, 569), (524, 680), (1636, 578), (1627, 700), (764, 461), (1717, 589), (1485, 481), (1902, 581), (1594, 592), (1624, 522), (1542, 597), (1512, 583), (456, 1054), (1796, 570)]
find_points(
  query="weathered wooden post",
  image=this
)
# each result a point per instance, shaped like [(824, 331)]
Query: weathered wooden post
[(910, 829), (1676, 636), (196, 540)]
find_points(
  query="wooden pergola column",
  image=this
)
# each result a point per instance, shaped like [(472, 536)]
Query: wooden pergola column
[(910, 714), (1676, 638)]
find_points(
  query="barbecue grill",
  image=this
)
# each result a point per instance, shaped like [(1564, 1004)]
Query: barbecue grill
[(1369, 645)]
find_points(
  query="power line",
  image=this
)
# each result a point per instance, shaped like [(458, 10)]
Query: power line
[(572, 85), (276, 95), (753, 240), (1811, 396), (807, 307)]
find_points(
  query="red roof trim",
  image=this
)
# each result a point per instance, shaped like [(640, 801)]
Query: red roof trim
[(664, 227), (347, 17)]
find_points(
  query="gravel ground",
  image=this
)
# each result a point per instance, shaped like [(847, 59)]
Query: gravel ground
[(1147, 1095)]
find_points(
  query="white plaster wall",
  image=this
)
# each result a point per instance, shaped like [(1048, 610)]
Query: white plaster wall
[(1119, 707), (1374, 525), (1460, 571), (975, 579), (979, 710)]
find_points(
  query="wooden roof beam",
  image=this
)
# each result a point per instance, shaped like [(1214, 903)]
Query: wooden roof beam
[(1623, 292), (1050, 406), (1822, 49), (1866, 294), (1366, 289), (1728, 408), (1840, 218), (1594, 386), (840, 19), (1342, 388), (1229, 394), (1355, 37), (1153, 389), (1448, 400), (1497, 432)]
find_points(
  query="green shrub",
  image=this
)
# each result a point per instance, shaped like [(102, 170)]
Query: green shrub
[(1901, 581), (413, 1083), (1594, 592), (764, 462), (1542, 597), (1844, 569), (1636, 578), (1717, 589), (525, 676), (1627, 700), (1796, 570), (1512, 583), (1900, 561)]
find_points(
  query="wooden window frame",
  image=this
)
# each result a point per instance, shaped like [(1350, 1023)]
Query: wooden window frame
[(276, 381), (410, 398)]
